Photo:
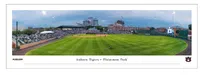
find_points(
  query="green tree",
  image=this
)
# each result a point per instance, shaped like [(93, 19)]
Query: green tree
[(105, 29), (50, 28), (29, 31), (99, 28), (16, 32), (88, 27), (177, 31), (190, 26), (152, 28)]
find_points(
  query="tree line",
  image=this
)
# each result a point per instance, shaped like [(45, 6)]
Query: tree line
[(26, 31)]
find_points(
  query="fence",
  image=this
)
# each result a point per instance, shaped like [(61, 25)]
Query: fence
[(182, 34)]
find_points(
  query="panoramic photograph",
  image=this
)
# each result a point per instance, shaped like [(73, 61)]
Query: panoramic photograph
[(101, 32)]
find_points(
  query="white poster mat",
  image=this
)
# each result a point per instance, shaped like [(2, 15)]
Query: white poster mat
[(134, 61)]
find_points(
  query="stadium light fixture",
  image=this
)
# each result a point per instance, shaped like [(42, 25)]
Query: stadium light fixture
[(44, 13)]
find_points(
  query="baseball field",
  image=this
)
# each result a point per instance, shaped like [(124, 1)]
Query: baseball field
[(112, 44)]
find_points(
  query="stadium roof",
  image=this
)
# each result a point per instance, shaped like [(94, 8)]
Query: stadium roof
[(69, 26), (46, 32)]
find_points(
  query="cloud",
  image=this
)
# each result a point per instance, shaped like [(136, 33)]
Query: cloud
[(181, 16), (105, 17)]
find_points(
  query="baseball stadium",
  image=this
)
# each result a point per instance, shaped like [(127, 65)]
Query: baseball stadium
[(91, 38)]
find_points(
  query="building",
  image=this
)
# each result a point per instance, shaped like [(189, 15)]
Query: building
[(179, 31), (91, 22), (119, 23), (178, 28), (95, 22), (85, 23), (161, 29), (118, 27)]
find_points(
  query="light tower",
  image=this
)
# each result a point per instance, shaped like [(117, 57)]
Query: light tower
[(17, 47), (174, 13)]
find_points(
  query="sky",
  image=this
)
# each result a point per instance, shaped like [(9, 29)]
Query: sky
[(135, 18)]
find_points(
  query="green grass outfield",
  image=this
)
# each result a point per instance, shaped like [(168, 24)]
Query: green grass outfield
[(112, 44)]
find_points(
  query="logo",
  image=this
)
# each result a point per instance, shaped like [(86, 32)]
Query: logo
[(188, 59)]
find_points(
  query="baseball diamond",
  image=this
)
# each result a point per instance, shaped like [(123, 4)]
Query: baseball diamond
[(112, 44)]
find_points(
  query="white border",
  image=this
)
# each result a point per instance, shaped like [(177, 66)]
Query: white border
[(134, 61)]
